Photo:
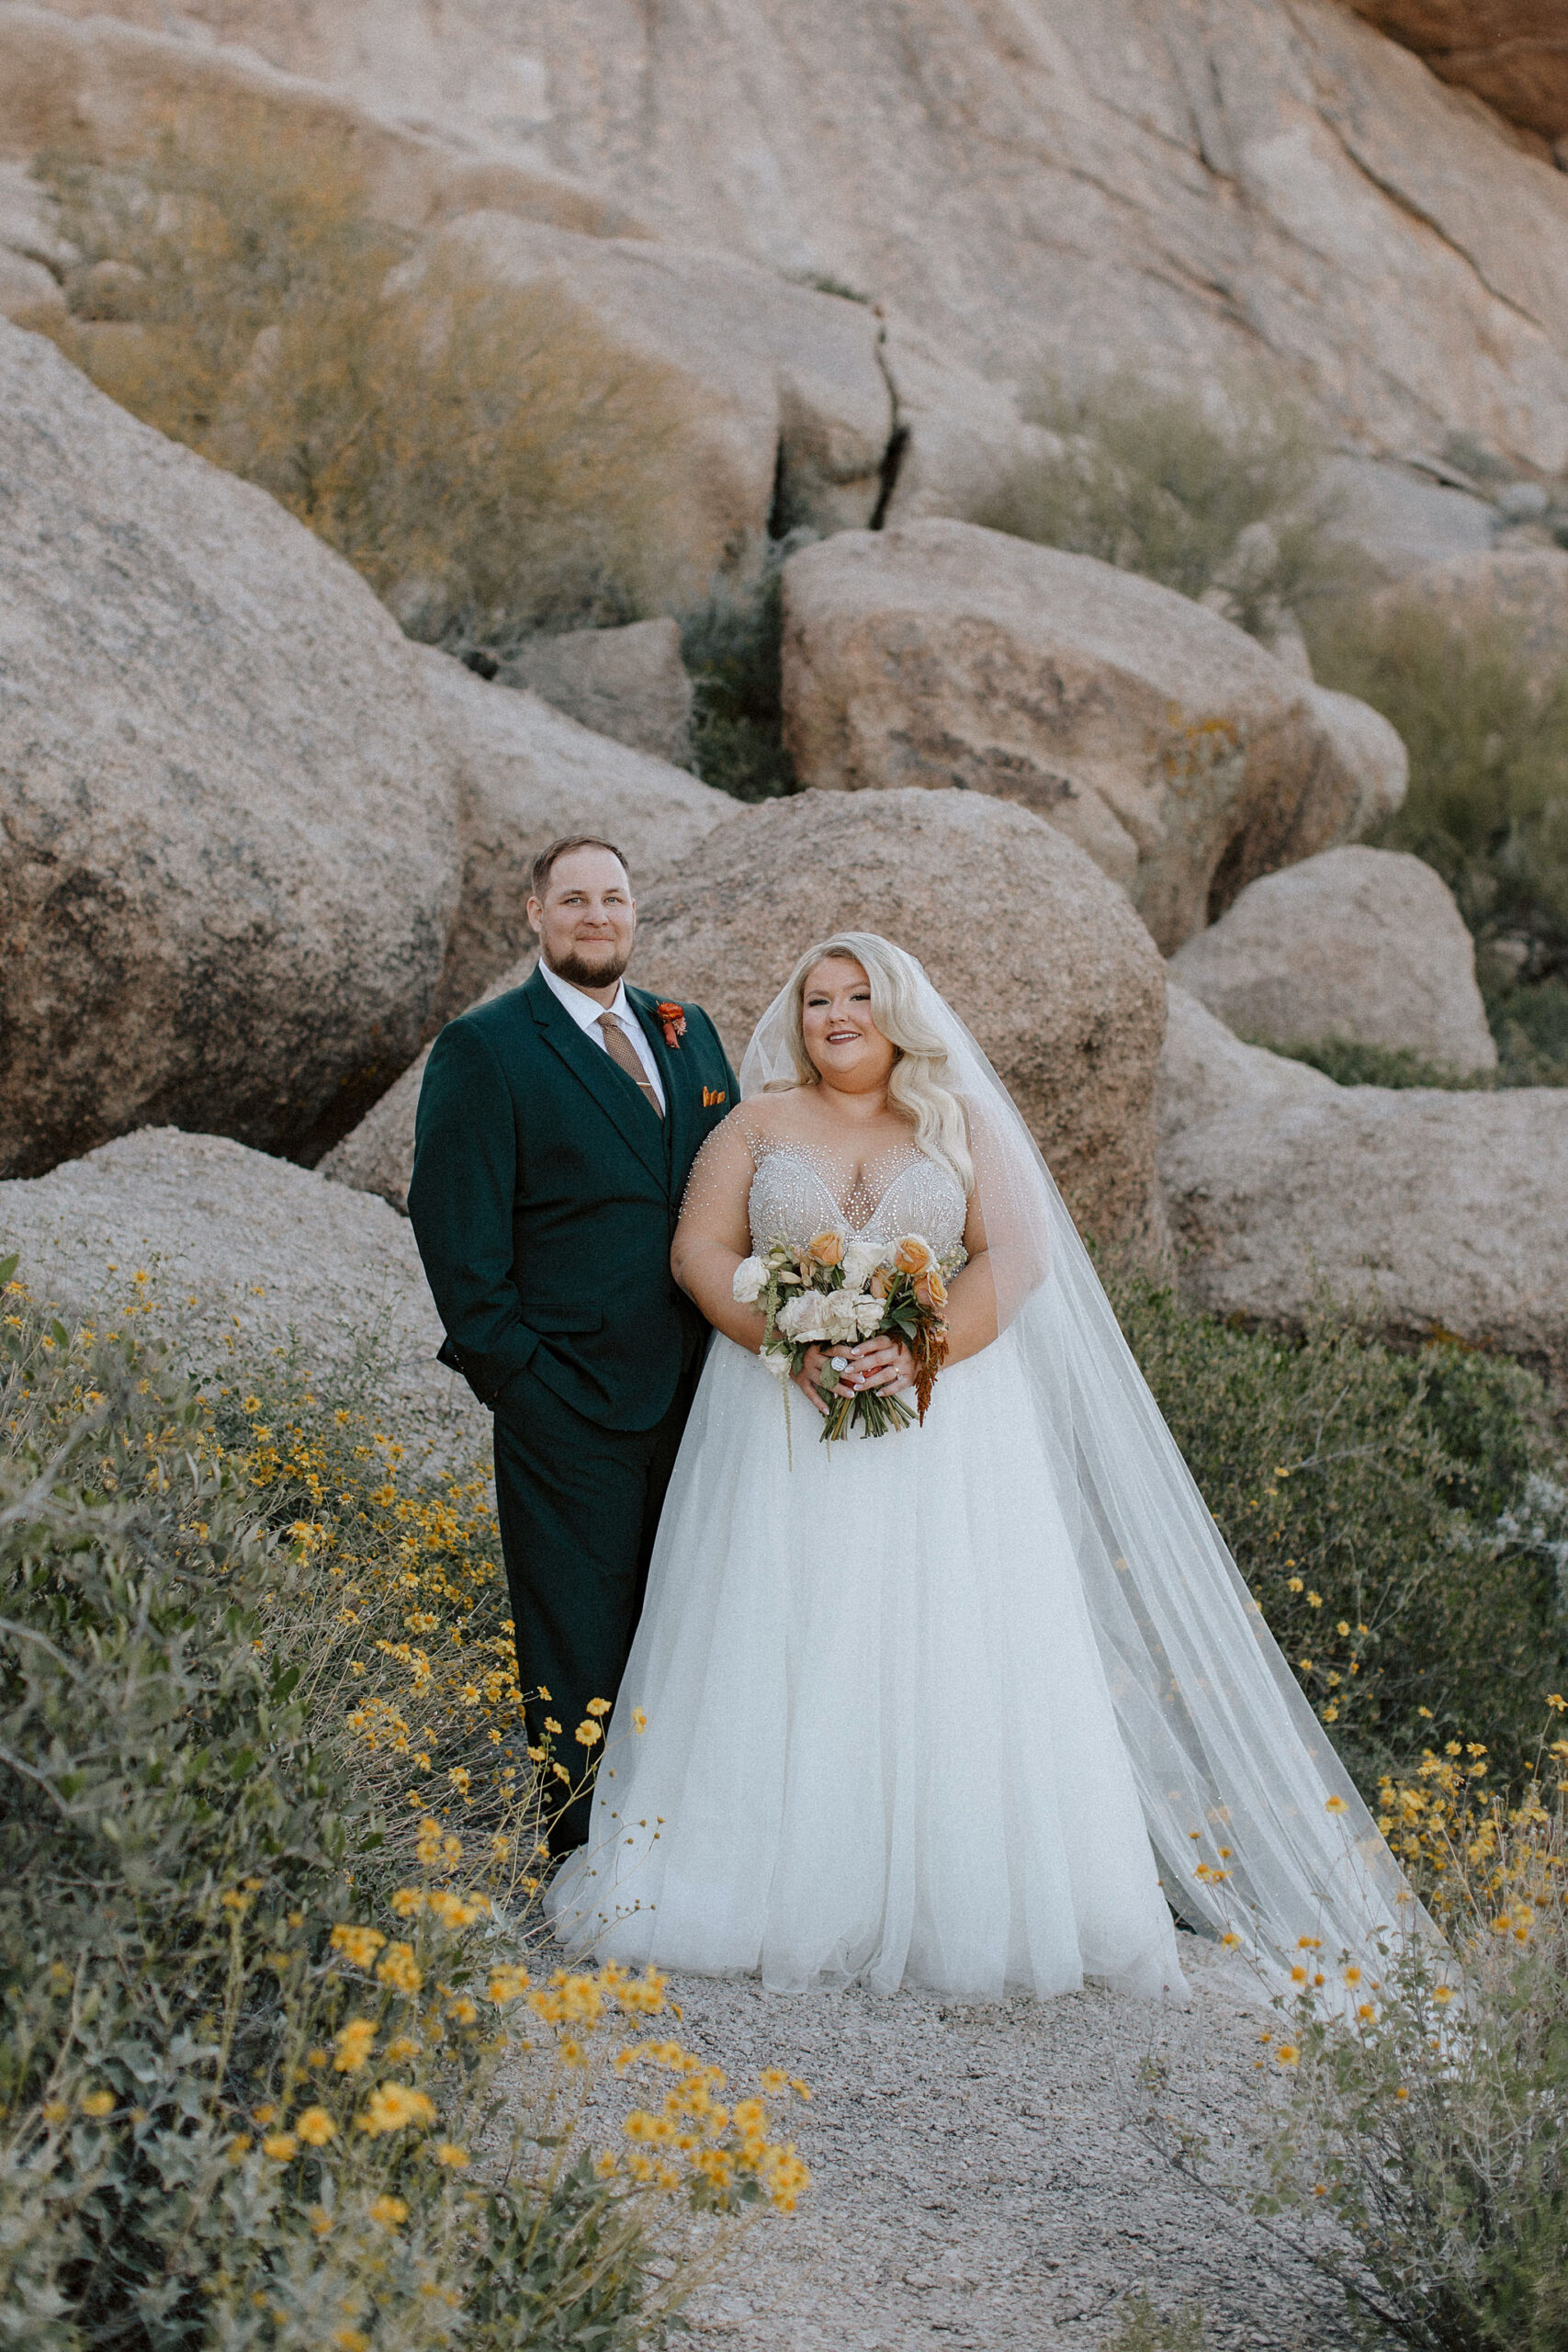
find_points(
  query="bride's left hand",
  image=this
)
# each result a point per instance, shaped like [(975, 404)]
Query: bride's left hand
[(878, 1364)]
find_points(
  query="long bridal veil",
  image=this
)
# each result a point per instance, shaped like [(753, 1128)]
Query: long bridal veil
[(1256, 1826)]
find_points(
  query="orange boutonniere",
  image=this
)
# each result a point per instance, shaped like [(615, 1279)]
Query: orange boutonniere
[(673, 1018)]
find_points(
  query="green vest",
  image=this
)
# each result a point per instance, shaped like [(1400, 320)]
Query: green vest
[(544, 1199)]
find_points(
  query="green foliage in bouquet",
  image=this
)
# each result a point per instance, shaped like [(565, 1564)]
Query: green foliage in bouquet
[(1402, 1519), (261, 2080)]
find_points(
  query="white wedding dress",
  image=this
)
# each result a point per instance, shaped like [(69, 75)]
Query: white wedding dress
[(879, 1740), (963, 1703)]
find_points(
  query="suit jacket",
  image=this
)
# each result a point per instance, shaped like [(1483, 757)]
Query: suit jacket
[(544, 1200)]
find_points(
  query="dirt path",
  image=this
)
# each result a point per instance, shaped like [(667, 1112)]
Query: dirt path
[(986, 2179)]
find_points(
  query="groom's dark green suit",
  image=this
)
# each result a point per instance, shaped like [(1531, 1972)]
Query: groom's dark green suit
[(545, 1195)]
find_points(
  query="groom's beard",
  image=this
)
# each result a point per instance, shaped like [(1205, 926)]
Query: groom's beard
[(577, 972)]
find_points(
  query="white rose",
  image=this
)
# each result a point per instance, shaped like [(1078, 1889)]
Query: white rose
[(779, 1362), (801, 1318), (868, 1316), (862, 1260), (751, 1275), (842, 1321)]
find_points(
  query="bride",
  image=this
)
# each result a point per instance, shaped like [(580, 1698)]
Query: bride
[(977, 1702)]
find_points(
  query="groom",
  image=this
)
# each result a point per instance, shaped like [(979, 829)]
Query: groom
[(556, 1127)]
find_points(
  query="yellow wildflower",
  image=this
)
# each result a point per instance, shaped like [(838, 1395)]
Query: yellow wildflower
[(393, 2107), (281, 2146), (353, 2043), (98, 2103), (315, 2127), (389, 2211), (358, 1946), (448, 2153)]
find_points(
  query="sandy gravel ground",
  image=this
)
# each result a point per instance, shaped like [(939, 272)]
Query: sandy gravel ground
[(997, 2179)]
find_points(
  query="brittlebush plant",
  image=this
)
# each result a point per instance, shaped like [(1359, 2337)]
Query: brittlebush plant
[(1428, 2091), (481, 452), (1216, 498), (274, 2068)]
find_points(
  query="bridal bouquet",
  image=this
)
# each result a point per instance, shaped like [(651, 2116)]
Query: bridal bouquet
[(831, 1292)]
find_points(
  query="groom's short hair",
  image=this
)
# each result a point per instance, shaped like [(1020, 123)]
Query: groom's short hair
[(545, 862)]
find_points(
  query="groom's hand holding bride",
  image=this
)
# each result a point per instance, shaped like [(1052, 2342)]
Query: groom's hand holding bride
[(880, 1363)]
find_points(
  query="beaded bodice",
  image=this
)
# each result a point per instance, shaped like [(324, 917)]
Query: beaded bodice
[(800, 1190)]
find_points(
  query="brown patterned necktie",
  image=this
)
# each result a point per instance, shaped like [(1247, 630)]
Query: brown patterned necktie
[(623, 1053)]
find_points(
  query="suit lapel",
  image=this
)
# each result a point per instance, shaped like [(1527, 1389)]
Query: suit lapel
[(611, 1087), (677, 1092)]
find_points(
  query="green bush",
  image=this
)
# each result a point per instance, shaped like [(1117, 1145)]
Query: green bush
[(1488, 798), (1397, 1517), (482, 453), (1167, 484), (259, 2081), (732, 650), (1351, 1063)]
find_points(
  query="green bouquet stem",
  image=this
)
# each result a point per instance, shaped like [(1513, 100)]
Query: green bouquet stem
[(873, 1408)]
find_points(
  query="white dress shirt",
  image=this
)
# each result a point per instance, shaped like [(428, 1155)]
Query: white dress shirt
[(585, 1011)]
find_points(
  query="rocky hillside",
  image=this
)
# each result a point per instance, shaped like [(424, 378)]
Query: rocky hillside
[(1038, 184)]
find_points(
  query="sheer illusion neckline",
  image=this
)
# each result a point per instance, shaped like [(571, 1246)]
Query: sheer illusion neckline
[(856, 1191)]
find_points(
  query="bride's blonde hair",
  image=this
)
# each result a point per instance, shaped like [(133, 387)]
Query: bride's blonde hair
[(920, 1055)]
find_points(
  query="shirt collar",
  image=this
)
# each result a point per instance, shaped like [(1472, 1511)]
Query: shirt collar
[(585, 1010)]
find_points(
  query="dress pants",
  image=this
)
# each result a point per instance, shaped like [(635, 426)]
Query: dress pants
[(578, 1509)]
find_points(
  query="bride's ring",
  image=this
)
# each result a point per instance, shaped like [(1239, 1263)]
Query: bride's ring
[(840, 1364)]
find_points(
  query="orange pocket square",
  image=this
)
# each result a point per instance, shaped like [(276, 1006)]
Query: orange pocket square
[(711, 1094)]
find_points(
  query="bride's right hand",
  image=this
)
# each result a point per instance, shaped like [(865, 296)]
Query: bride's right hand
[(814, 1369)]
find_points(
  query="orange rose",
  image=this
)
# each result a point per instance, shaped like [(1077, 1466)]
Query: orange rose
[(931, 1290), (828, 1249), (880, 1282), (914, 1256)]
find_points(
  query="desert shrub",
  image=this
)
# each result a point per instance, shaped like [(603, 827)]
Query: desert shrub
[(1529, 1021), (732, 649), (1218, 498), (480, 452), (261, 2080), (1351, 1063), (1397, 1516), (1428, 2091), (1488, 798), (1143, 2327)]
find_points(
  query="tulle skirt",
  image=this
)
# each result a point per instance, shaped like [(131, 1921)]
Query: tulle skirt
[(878, 1744)]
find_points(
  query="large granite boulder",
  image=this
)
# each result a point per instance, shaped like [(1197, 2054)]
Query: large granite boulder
[(1430, 1211), (525, 775), (1044, 959), (797, 408), (377, 1156), (228, 830), (629, 683), (1183, 757), (1207, 1072), (1523, 592), (1057, 977), (1251, 181), (232, 1257), (1513, 54), (1360, 944)]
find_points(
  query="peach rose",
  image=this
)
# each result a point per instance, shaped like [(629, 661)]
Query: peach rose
[(931, 1290), (828, 1249), (914, 1256)]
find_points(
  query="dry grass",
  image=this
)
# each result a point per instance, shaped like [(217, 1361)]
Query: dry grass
[(484, 455)]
